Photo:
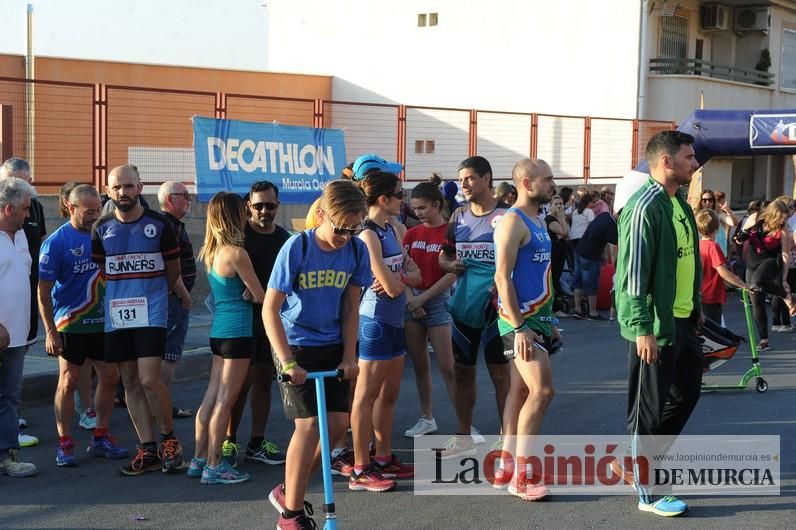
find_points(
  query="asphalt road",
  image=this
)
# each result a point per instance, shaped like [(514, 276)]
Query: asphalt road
[(590, 399)]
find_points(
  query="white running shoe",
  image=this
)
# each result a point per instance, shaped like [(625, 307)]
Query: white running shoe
[(10, 465), (423, 426), (477, 436), (26, 440), (88, 419)]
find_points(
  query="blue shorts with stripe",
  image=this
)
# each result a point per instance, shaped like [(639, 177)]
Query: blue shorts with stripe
[(379, 341)]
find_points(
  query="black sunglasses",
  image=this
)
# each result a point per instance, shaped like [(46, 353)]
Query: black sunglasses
[(344, 230), (185, 195), (400, 194), (270, 206), (708, 199)]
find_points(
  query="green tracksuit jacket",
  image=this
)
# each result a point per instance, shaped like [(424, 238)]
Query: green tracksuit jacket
[(647, 264)]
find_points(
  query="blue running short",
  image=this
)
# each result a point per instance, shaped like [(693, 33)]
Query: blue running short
[(379, 341)]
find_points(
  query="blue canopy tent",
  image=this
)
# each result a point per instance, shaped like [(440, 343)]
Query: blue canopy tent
[(725, 133)]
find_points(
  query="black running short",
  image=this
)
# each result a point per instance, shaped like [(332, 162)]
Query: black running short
[(467, 341), (552, 346), (233, 348), (81, 346), (262, 346), (299, 401), (136, 343)]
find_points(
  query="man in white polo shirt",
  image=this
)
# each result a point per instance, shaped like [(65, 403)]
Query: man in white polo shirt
[(15, 262)]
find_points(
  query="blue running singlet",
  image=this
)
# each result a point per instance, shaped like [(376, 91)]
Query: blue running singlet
[(381, 307), (532, 279)]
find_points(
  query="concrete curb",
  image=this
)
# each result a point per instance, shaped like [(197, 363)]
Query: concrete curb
[(40, 388)]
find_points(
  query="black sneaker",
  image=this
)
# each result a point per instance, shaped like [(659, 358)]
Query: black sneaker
[(579, 315), (596, 318), (142, 462), (172, 456)]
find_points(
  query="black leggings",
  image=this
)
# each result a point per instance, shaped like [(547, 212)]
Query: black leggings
[(767, 275), (780, 315)]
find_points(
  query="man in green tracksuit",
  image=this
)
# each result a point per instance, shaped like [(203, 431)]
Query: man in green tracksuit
[(658, 279)]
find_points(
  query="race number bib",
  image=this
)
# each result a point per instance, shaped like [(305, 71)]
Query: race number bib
[(129, 313)]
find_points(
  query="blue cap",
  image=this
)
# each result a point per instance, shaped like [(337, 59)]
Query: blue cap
[(367, 163), (450, 189)]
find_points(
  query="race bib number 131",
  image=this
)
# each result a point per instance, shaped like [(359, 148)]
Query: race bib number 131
[(129, 313)]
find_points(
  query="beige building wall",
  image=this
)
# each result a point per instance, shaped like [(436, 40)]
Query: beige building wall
[(151, 129)]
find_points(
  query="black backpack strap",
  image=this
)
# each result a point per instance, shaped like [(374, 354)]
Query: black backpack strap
[(355, 248), (304, 243)]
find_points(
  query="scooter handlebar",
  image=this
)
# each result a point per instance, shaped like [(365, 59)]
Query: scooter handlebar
[(338, 374)]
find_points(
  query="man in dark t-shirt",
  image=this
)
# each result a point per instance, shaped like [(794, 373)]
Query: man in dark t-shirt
[(175, 204), (588, 262), (263, 239)]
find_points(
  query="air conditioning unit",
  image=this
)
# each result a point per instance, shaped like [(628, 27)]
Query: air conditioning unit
[(752, 19), (713, 17)]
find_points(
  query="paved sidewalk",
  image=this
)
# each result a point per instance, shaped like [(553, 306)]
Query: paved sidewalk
[(41, 370)]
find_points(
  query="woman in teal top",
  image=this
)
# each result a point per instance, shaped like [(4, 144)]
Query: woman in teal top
[(232, 315), (234, 285)]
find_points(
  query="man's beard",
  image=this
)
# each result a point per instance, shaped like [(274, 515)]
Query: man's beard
[(264, 222), (126, 207)]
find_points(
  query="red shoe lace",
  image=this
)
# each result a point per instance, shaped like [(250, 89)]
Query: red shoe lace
[(170, 447), (137, 462)]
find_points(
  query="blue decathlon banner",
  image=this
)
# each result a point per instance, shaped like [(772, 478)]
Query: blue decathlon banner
[(772, 131), (231, 155)]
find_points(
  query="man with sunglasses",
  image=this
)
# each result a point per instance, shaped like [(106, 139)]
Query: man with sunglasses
[(263, 239), (175, 203)]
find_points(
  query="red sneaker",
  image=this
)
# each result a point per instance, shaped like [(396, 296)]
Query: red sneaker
[(302, 522), (277, 498), (527, 491), (370, 480), (395, 469), (343, 464), (503, 475)]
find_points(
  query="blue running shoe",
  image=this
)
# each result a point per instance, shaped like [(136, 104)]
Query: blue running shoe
[(65, 455), (107, 447), (223, 473), (196, 467), (668, 506)]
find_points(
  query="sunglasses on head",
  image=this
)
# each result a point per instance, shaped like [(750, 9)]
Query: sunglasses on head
[(345, 230), (270, 206)]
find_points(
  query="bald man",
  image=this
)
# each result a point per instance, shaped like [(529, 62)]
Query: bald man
[(175, 204), (525, 307), (139, 253)]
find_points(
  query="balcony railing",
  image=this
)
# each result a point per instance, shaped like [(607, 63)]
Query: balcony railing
[(686, 66)]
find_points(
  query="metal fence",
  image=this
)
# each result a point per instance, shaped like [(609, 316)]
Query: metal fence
[(51, 124), (74, 131), (152, 130)]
